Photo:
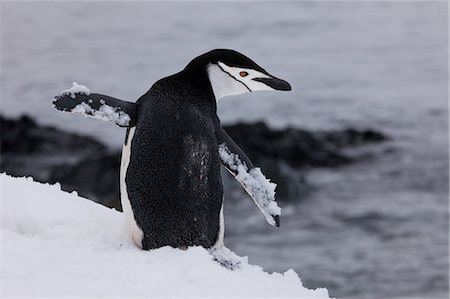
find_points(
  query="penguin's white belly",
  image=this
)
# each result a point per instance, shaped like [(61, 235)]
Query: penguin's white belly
[(219, 242), (134, 230)]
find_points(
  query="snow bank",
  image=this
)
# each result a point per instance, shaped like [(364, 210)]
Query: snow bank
[(57, 244)]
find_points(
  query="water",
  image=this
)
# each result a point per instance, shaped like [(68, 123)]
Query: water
[(377, 229)]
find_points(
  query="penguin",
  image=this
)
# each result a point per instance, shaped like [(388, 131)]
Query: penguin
[(170, 181)]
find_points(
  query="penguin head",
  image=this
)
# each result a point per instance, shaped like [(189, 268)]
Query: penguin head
[(232, 73)]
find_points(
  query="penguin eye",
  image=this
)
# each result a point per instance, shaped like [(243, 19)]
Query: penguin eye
[(243, 74)]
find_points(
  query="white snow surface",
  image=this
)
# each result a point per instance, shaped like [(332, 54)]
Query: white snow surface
[(105, 113), (76, 88), (260, 189), (56, 244)]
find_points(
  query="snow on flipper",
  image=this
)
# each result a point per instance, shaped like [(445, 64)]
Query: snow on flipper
[(80, 100), (260, 189), (227, 258)]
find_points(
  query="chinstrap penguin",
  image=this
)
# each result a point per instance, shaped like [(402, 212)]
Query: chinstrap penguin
[(170, 180)]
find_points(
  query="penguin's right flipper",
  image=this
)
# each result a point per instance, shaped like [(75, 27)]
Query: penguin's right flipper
[(99, 106)]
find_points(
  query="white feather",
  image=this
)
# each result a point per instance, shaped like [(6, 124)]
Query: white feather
[(226, 80), (134, 230), (222, 84), (219, 242)]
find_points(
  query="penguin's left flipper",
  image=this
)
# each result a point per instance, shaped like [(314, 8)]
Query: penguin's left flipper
[(98, 106), (260, 189)]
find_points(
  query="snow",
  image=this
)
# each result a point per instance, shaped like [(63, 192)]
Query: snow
[(83, 109), (261, 190), (105, 113), (56, 244), (76, 88)]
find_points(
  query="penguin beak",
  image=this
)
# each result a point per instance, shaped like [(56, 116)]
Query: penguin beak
[(275, 83)]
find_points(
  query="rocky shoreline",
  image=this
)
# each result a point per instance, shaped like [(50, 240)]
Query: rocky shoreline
[(84, 164)]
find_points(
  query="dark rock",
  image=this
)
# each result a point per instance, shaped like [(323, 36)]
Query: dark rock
[(17, 135), (299, 148), (94, 178), (29, 149), (24, 136), (83, 164)]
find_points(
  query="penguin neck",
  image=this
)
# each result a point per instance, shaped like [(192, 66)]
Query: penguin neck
[(198, 85)]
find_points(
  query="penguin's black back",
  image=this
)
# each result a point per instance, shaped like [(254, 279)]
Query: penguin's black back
[(173, 179)]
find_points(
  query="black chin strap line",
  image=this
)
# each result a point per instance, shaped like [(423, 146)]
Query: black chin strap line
[(234, 77)]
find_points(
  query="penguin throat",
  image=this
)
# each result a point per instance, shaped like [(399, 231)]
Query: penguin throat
[(224, 84)]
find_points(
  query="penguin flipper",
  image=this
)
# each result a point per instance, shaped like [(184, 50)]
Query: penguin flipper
[(260, 189), (99, 106)]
